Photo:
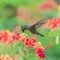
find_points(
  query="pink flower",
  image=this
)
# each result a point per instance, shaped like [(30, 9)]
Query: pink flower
[(29, 42), (40, 53), (16, 37), (47, 5), (58, 20), (54, 23), (6, 57), (32, 42), (5, 35), (26, 41)]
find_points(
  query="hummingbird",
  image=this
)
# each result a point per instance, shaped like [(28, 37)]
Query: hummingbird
[(33, 27)]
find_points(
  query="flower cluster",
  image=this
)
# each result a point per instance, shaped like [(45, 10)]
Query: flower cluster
[(40, 53), (31, 42), (10, 37), (6, 57), (47, 5), (16, 37), (54, 23), (5, 36)]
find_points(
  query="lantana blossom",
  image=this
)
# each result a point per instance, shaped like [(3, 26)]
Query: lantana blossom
[(9, 37), (6, 57), (53, 23)]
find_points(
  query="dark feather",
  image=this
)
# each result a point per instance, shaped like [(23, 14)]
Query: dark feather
[(33, 27), (39, 23)]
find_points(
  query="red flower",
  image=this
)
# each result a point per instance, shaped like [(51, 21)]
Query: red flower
[(32, 42), (40, 53), (16, 37), (29, 42), (8, 37), (5, 36), (47, 5), (53, 23), (0, 37), (6, 57), (58, 20), (26, 41)]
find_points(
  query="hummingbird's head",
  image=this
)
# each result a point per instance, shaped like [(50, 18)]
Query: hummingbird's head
[(24, 27)]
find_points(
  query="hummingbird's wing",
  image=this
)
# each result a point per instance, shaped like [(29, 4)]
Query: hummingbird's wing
[(39, 23)]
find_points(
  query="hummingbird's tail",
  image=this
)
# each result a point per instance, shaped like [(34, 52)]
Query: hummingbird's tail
[(39, 34)]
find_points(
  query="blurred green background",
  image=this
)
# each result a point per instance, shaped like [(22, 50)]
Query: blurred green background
[(9, 20)]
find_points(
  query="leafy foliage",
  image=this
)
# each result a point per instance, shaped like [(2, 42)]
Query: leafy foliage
[(9, 23)]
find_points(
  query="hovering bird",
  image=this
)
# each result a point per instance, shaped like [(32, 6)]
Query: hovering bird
[(33, 27)]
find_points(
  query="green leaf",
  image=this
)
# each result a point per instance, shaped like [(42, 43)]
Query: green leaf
[(28, 33), (5, 49)]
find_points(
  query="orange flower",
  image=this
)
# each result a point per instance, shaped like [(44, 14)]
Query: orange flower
[(8, 37), (5, 36), (47, 5), (38, 45), (6, 57), (53, 24)]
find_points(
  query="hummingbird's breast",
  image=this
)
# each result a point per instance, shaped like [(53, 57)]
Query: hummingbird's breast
[(32, 30)]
